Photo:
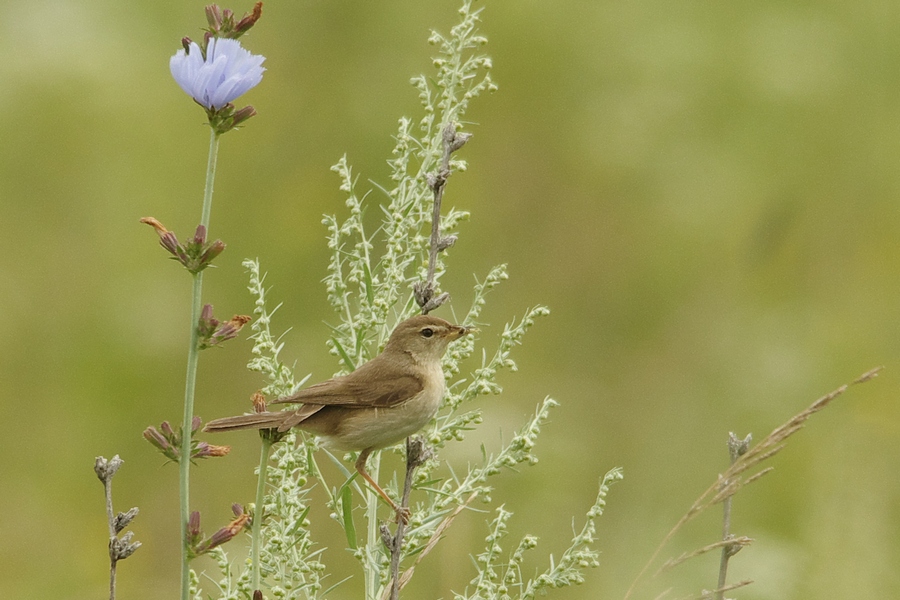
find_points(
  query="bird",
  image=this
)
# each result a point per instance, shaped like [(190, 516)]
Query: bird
[(382, 402)]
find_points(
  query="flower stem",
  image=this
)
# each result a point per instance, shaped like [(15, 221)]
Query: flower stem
[(191, 378), (255, 537), (210, 177)]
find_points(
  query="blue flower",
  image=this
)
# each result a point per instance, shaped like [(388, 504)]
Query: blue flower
[(227, 72)]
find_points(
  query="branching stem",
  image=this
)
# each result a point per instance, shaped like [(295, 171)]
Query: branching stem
[(120, 548), (416, 454), (424, 291)]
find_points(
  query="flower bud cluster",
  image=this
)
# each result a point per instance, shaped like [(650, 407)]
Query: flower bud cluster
[(197, 544), (223, 24), (168, 441), (213, 332), (107, 468), (196, 254), (119, 547)]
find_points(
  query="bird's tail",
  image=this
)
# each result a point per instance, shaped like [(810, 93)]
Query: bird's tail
[(263, 420)]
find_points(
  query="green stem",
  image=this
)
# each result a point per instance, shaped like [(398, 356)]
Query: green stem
[(191, 378), (373, 539), (210, 177), (258, 512)]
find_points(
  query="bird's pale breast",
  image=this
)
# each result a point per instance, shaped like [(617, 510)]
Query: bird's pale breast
[(378, 428)]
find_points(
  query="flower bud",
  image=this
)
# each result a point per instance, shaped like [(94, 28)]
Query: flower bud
[(259, 402), (163, 442), (212, 332), (249, 20), (207, 450), (124, 519), (212, 251), (214, 17), (121, 548), (242, 115), (199, 235), (193, 533), (221, 536), (105, 469)]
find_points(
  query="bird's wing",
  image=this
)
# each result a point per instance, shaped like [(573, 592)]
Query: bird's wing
[(292, 419), (364, 387)]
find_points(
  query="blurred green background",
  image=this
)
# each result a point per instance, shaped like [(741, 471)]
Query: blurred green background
[(706, 195)]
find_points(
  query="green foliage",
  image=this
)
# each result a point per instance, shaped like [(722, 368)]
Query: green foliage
[(505, 581), (266, 349), (371, 294)]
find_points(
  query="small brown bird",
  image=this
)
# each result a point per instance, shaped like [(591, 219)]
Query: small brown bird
[(382, 402)]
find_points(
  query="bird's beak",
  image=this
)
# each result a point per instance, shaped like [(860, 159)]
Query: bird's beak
[(461, 330)]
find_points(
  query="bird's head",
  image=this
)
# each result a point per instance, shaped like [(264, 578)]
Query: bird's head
[(425, 337)]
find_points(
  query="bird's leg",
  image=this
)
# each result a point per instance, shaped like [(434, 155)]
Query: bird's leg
[(401, 511)]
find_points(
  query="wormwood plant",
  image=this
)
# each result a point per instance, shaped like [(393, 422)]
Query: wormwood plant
[(375, 279)]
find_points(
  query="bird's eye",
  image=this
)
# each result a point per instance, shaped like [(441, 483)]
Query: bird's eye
[(427, 332)]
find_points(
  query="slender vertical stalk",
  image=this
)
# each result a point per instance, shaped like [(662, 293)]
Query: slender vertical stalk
[(210, 177), (416, 454), (191, 378), (736, 448), (436, 225), (723, 560), (372, 575), (111, 519), (423, 291), (726, 550), (112, 580), (255, 537)]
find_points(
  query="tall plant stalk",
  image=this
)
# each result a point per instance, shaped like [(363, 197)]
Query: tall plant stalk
[(191, 378), (255, 537)]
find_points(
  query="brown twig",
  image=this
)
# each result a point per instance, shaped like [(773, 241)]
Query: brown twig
[(765, 449), (432, 542), (416, 455), (424, 290)]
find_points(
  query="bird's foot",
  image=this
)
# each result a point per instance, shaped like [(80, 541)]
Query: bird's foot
[(402, 514)]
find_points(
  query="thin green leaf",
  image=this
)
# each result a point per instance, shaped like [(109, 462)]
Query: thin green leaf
[(344, 356), (347, 510)]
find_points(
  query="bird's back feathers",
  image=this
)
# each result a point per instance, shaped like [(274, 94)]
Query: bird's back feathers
[(380, 383)]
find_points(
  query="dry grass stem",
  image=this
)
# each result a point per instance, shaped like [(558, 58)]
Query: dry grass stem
[(762, 451), (753, 478), (709, 594), (674, 562)]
